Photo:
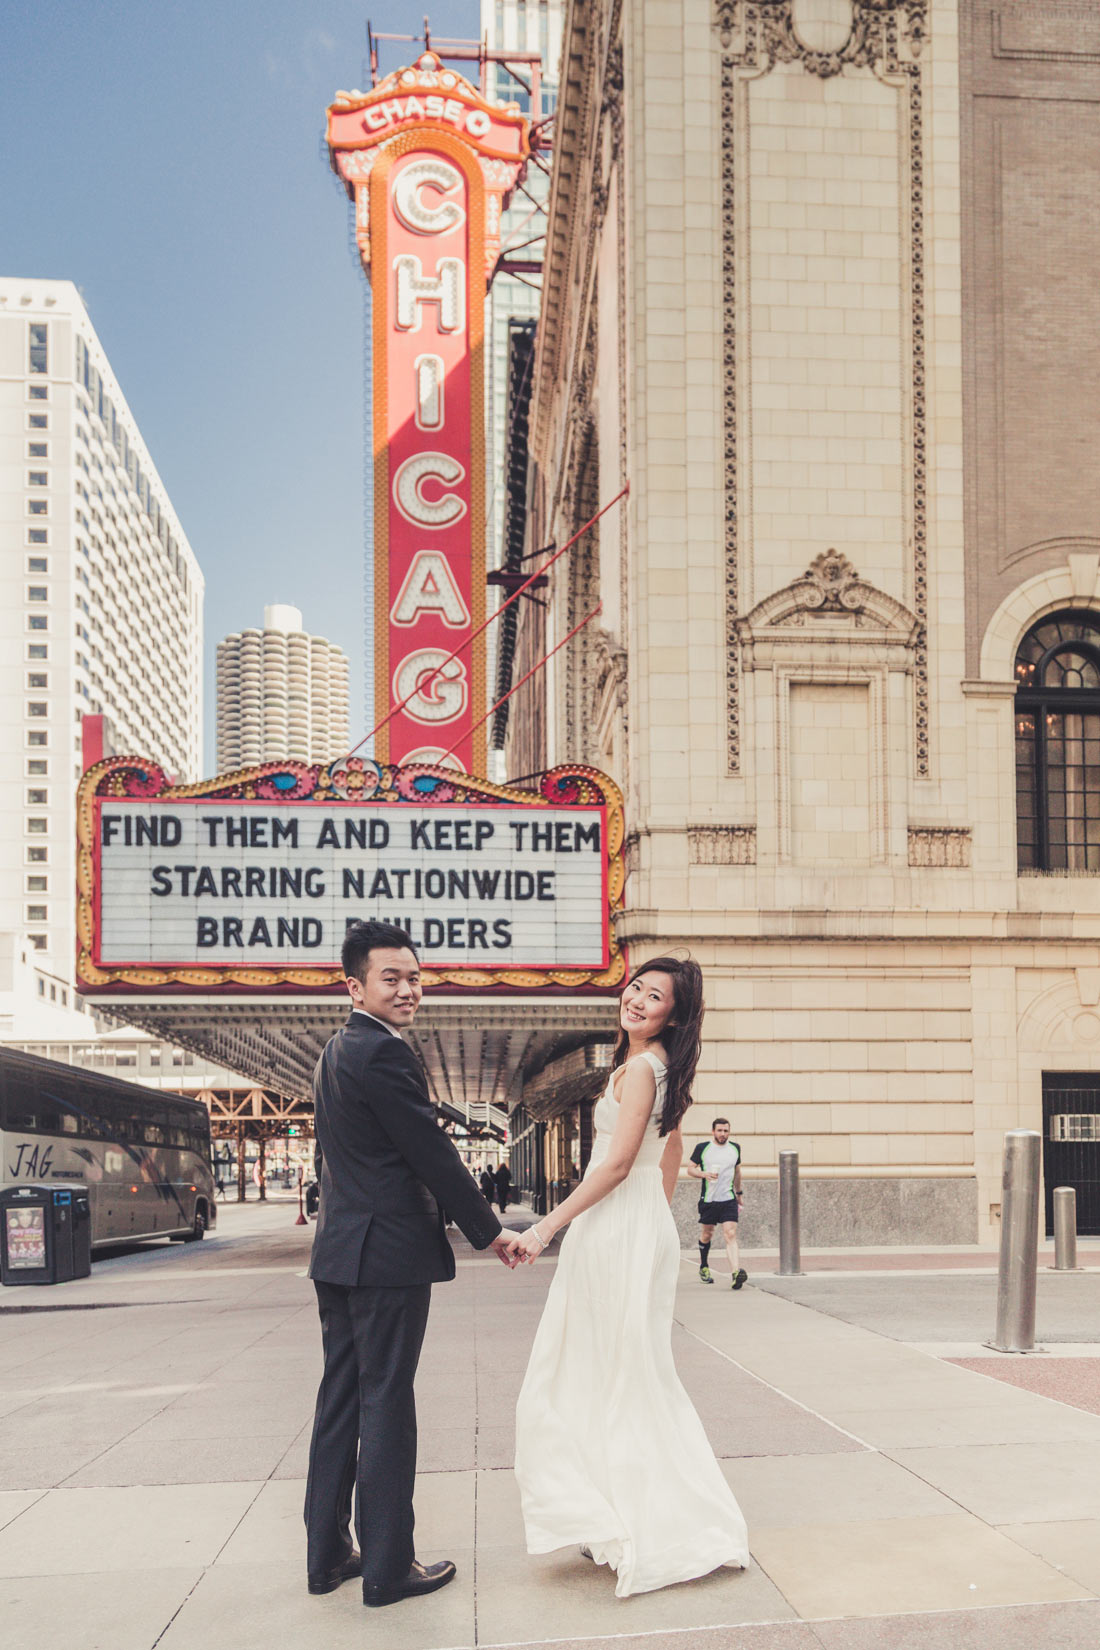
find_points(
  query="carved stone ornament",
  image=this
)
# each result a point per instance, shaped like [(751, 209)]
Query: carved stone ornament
[(885, 37), (830, 591), (776, 31), (610, 668), (939, 846), (722, 844)]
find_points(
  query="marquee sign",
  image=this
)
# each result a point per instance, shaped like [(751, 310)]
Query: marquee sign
[(248, 881), (429, 164)]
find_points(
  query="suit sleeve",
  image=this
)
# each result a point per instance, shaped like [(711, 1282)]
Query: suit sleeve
[(398, 1097)]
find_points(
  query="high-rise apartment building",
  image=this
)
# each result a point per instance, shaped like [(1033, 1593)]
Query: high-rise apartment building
[(101, 613), (281, 694)]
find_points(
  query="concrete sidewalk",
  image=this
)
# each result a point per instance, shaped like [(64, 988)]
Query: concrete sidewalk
[(154, 1421)]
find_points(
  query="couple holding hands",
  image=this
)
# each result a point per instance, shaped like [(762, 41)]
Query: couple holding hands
[(610, 1453)]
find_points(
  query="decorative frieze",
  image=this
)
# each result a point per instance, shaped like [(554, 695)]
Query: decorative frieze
[(938, 846), (722, 845)]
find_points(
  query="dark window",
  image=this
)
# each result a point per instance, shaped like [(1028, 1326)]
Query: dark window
[(37, 856), (38, 421), (38, 506), (38, 449), (38, 350), (39, 392), (38, 535), (38, 564), (36, 913), (38, 621), (38, 478), (1058, 745)]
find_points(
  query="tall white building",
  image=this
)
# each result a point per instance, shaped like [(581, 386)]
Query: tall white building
[(281, 694), (101, 612)]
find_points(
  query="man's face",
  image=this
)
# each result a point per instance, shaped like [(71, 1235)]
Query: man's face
[(391, 990), (721, 1133)]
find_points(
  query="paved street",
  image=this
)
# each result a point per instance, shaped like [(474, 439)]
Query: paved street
[(155, 1419)]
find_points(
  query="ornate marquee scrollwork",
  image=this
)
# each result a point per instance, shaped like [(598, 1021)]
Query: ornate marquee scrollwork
[(886, 37)]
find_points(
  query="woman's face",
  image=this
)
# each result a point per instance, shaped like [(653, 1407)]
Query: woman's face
[(646, 1006)]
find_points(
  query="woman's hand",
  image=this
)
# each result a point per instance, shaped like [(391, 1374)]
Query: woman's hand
[(531, 1245)]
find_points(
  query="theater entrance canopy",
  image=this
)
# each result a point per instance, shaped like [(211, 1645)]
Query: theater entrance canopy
[(212, 914)]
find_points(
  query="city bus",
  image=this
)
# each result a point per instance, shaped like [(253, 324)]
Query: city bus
[(144, 1155)]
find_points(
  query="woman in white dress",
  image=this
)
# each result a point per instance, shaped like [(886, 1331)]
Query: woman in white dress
[(610, 1453)]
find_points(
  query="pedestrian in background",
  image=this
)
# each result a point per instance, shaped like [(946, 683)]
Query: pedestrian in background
[(503, 1178), (488, 1184), (717, 1163)]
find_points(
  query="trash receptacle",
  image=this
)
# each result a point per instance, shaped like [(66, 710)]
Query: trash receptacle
[(45, 1233)]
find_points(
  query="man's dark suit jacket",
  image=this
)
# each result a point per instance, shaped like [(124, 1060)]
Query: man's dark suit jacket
[(387, 1169)]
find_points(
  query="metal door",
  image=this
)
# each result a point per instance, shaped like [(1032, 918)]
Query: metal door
[(1071, 1144)]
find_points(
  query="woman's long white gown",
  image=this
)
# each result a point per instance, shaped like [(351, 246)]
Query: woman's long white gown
[(610, 1453)]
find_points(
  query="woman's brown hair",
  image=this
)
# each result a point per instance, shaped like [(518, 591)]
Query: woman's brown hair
[(682, 1035)]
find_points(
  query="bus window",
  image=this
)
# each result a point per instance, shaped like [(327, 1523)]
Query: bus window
[(20, 1102)]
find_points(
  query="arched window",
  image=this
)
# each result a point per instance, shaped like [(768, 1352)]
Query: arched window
[(1058, 744)]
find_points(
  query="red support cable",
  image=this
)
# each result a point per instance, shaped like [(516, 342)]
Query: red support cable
[(544, 660), (430, 675)]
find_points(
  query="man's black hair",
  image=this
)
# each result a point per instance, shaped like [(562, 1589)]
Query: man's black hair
[(718, 1120), (364, 937)]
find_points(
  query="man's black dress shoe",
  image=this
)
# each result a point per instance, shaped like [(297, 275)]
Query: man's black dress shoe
[(422, 1578), (328, 1582)]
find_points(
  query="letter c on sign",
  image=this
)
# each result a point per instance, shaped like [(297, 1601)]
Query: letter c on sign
[(412, 208), (408, 494), (441, 699)]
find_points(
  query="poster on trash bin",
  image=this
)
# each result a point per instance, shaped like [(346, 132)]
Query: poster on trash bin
[(26, 1234)]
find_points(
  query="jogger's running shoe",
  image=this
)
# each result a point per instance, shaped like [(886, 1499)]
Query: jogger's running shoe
[(740, 1278), (706, 1275)]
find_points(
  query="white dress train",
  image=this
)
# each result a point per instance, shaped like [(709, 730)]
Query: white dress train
[(610, 1453)]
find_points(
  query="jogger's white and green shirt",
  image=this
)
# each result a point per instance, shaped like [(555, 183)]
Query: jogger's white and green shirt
[(711, 1157)]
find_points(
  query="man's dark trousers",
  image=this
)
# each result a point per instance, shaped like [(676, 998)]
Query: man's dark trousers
[(365, 1409), (386, 1170)]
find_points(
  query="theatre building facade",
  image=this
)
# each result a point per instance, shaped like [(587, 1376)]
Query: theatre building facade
[(821, 288)]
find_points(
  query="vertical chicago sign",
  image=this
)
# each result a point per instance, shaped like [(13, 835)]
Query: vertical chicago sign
[(429, 164)]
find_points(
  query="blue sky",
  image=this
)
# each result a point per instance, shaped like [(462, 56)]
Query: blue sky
[(169, 160)]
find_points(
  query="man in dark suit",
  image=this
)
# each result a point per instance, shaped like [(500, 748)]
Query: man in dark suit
[(386, 1172)]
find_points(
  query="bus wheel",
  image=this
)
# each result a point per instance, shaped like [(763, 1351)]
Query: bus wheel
[(198, 1230)]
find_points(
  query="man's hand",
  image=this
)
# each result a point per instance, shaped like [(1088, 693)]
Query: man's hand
[(712, 1174), (505, 1247)]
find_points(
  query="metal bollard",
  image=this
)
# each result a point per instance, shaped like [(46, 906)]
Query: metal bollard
[(1065, 1229), (1016, 1276), (790, 1255)]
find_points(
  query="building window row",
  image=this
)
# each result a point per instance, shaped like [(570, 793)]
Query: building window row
[(104, 408)]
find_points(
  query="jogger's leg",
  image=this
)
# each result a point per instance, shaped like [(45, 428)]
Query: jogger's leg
[(733, 1246)]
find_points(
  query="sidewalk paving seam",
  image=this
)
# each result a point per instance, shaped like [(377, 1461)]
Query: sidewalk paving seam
[(873, 1449), (179, 1607)]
